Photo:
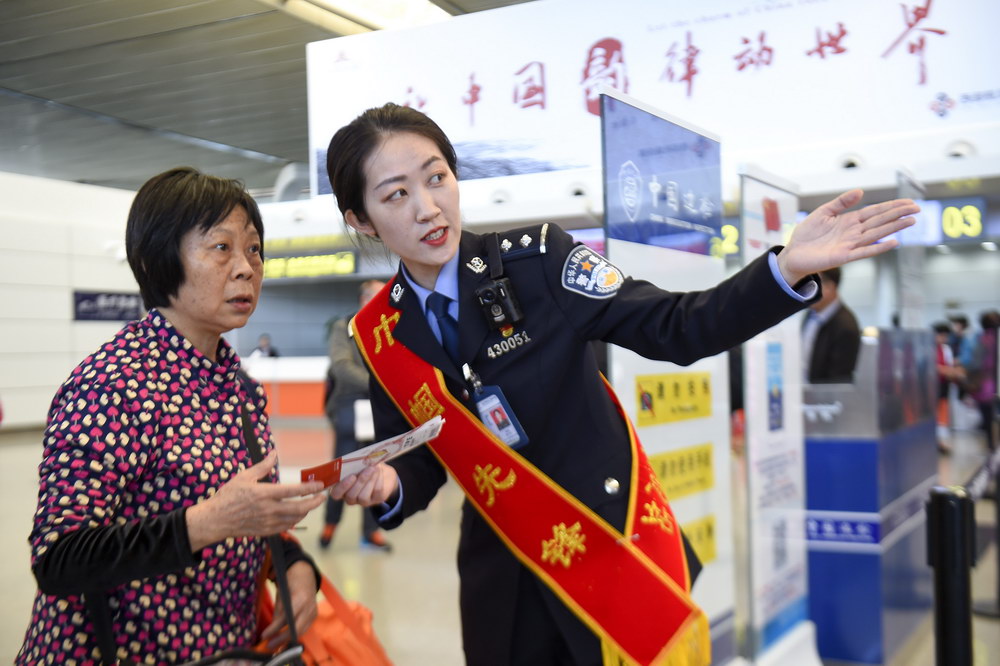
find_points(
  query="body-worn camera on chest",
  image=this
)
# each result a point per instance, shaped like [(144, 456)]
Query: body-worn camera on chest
[(499, 304)]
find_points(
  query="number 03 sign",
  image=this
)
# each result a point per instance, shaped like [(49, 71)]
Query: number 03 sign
[(962, 221)]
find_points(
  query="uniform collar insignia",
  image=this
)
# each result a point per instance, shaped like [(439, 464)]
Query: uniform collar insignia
[(476, 265), (397, 293)]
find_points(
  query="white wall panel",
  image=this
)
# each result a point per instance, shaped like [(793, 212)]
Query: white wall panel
[(26, 407), (31, 233), (54, 236), (36, 369), (36, 302), (26, 336), (23, 267), (96, 274), (63, 201), (99, 241), (87, 336)]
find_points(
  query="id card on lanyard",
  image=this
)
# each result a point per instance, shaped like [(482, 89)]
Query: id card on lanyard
[(495, 412)]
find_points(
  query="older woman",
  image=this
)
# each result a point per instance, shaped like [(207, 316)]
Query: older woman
[(147, 490)]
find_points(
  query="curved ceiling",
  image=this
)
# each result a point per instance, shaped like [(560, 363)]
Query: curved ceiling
[(111, 92)]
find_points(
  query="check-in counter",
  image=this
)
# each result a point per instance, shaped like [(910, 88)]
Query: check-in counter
[(294, 384), (871, 458)]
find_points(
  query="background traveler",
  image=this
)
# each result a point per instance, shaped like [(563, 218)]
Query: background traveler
[(264, 348), (350, 377), (831, 337), (982, 374)]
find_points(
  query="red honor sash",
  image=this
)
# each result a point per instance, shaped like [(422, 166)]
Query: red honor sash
[(632, 589)]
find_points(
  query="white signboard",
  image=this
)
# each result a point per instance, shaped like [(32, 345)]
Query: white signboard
[(663, 212), (910, 263), (515, 88), (772, 386)]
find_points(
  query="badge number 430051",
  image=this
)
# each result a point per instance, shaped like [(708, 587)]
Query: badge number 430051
[(508, 344)]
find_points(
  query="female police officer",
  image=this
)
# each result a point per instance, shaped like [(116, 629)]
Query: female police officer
[(569, 552)]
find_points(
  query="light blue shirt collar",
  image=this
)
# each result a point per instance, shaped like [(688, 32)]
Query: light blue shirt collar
[(447, 284)]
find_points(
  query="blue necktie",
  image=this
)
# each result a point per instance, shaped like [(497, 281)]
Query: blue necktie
[(438, 304)]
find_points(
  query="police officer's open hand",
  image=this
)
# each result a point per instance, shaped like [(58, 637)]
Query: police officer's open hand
[(832, 235), (370, 487)]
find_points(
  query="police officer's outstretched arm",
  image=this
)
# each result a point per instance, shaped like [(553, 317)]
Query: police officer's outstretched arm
[(683, 327), (680, 327)]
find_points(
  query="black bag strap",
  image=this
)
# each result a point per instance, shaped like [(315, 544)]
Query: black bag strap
[(96, 602), (275, 542)]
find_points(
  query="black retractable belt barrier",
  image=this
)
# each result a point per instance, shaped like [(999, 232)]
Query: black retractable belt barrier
[(977, 488), (950, 553)]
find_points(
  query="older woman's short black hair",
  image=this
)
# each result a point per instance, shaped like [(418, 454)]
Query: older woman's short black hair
[(353, 143), (167, 207)]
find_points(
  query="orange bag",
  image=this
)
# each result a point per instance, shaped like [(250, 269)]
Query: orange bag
[(341, 634)]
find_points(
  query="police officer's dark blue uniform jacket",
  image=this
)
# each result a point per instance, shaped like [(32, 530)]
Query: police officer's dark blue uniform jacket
[(554, 388)]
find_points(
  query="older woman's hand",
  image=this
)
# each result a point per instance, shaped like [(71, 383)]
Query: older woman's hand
[(831, 235), (370, 487), (302, 589), (244, 507)]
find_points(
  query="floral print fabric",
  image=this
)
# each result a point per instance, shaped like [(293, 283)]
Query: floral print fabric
[(145, 426)]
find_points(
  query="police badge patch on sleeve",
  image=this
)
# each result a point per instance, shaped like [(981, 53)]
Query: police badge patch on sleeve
[(591, 274)]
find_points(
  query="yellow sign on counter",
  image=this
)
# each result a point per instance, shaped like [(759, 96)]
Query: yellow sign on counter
[(297, 244), (685, 471), (701, 535), (340, 263), (673, 397)]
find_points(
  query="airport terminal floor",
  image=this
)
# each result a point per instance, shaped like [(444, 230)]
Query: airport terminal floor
[(413, 591)]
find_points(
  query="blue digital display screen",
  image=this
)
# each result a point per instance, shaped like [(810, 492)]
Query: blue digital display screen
[(662, 181)]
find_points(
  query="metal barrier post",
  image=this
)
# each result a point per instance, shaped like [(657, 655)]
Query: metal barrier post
[(950, 552)]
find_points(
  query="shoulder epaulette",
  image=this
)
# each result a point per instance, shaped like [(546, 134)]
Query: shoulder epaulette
[(523, 242)]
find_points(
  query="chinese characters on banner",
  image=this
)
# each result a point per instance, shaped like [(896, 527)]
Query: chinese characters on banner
[(759, 56), (605, 67), (832, 43), (529, 86), (912, 17), (604, 63), (530, 106), (472, 98), (689, 70)]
